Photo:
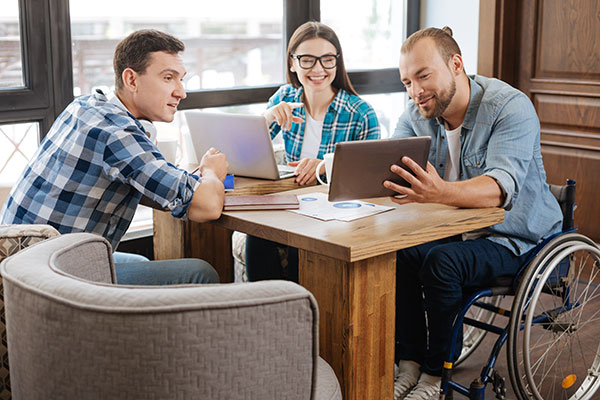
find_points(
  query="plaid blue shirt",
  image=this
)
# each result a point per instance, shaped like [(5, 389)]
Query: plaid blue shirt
[(90, 171), (348, 118)]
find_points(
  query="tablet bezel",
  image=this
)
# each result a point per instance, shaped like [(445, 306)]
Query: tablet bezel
[(360, 167)]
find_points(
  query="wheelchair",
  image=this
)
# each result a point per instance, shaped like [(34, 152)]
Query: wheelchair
[(553, 327)]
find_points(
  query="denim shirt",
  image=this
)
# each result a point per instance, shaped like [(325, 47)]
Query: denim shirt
[(500, 138)]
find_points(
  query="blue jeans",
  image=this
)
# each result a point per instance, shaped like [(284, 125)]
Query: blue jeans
[(430, 279), (133, 269), (263, 261)]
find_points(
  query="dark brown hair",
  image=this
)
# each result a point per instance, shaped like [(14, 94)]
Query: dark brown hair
[(311, 30), (442, 38), (134, 51)]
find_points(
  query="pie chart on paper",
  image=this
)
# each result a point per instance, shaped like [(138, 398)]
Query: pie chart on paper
[(347, 205)]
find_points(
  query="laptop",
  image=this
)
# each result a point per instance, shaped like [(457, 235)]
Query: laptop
[(243, 138), (360, 168)]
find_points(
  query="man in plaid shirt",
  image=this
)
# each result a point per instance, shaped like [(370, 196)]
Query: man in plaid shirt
[(92, 169)]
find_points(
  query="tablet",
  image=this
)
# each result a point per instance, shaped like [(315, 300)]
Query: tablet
[(360, 167)]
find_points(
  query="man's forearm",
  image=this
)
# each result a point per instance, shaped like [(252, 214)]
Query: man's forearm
[(479, 192), (207, 203)]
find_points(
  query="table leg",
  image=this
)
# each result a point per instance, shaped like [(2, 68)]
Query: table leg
[(174, 238), (356, 323)]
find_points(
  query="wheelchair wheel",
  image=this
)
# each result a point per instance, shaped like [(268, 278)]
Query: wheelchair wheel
[(473, 336), (554, 336)]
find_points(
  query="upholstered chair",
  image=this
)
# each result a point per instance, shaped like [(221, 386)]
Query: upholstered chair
[(75, 334), (12, 239)]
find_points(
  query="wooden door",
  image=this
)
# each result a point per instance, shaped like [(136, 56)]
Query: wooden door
[(550, 49)]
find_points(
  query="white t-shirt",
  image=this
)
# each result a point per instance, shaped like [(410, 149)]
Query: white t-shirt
[(453, 170), (453, 162), (312, 138)]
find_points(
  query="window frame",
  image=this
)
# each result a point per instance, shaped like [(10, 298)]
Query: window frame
[(49, 81), (295, 13), (42, 97)]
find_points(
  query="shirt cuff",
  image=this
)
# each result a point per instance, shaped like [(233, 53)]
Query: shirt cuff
[(506, 183), (181, 210)]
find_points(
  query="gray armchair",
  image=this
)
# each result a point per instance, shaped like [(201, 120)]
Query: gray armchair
[(14, 238), (74, 334)]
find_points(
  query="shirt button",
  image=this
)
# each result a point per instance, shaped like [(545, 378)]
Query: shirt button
[(477, 162), (443, 137), (441, 165)]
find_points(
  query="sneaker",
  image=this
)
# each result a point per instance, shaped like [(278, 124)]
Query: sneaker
[(406, 376), (428, 388)]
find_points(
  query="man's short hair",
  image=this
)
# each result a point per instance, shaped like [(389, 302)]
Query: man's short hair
[(442, 38), (134, 51)]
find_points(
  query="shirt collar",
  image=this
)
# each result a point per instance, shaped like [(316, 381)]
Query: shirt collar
[(473, 107), (336, 105), (148, 126)]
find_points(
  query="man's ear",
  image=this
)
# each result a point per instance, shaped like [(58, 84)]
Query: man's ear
[(456, 64), (129, 77)]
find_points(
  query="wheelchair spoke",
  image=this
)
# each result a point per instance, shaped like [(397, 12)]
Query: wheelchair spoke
[(553, 349)]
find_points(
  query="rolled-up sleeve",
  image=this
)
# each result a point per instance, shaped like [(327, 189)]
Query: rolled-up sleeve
[(510, 148), (132, 159)]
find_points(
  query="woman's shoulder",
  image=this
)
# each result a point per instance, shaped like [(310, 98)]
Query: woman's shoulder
[(287, 93), (354, 103)]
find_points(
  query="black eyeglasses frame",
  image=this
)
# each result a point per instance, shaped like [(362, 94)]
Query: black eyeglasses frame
[(299, 57)]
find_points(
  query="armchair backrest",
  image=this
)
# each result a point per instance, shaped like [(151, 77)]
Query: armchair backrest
[(72, 338)]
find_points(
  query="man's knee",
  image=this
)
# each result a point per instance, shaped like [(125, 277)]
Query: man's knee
[(200, 271), (438, 267)]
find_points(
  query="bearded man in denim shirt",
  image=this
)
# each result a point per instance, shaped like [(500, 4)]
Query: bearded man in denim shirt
[(485, 153)]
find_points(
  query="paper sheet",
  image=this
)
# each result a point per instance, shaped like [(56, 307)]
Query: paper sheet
[(316, 205)]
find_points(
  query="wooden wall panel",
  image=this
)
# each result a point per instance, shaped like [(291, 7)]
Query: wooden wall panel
[(556, 62), (575, 112), (582, 165), (568, 32)]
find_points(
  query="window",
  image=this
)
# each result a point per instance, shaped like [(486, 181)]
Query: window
[(389, 107), (30, 85), (11, 68), (18, 143), (228, 43), (370, 31)]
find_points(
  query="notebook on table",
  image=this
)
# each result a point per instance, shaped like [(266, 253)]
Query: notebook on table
[(261, 202), (360, 168), (243, 138)]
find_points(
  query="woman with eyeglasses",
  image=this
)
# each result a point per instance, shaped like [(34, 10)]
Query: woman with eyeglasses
[(318, 107), (315, 110)]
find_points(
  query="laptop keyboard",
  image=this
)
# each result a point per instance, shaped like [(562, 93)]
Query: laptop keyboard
[(285, 171)]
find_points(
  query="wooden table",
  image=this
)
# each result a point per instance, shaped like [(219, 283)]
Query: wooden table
[(350, 267), (174, 238)]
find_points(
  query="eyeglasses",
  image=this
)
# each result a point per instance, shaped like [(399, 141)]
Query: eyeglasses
[(306, 61)]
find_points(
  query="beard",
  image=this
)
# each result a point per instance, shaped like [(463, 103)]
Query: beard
[(440, 102)]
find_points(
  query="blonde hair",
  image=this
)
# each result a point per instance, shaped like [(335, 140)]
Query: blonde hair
[(442, 38)]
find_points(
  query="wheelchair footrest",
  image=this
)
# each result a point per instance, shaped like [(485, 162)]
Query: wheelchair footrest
[(499, 385)]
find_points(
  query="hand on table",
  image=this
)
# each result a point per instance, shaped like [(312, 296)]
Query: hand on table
[(305, 170), (215, 161)]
